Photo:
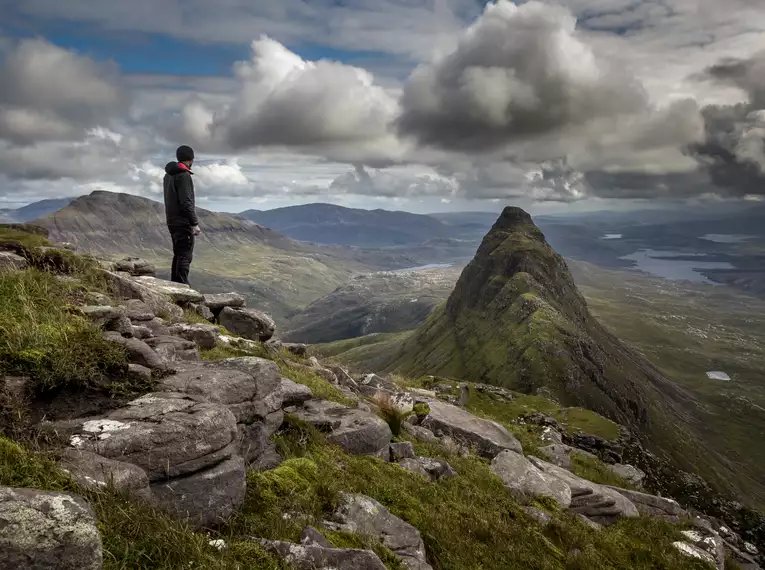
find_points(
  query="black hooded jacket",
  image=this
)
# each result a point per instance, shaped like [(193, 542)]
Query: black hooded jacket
[(180, 209)]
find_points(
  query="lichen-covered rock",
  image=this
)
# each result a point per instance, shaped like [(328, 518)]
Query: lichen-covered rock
[(311, 536), (401, 450), (142, 332), (525, 481), (178, 292), (363, 515), (316, 557), (167, 435), (247, 323), (358, 432), (95, 471), (487, 436), (47, 531)]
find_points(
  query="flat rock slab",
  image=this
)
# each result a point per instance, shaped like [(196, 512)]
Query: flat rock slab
[(248, 398), (216, 302), (265, 373), (599, 503), (47, 531), (654, 506), (97, 472), (525, 481), (129, 288), (247, 323), (206, 498), (363, 515), (167, 435), (178, 292), (316, 557), (487, 436), (357, 431)]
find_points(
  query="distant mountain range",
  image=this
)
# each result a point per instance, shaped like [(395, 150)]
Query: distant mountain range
[(33, 210)]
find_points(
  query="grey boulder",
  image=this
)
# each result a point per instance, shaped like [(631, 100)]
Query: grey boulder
[(173, 348), (247, 323), (357, 431), (651, 505), (420, 433), (204, 336), (102, 315), (205, 499), (47, 531), (629, 473), (525, 481), (294, 394), (139, 311), (316, 557), (139, 352), (96, 472), (488, 437), (218, 301), (430, 469), (401, 450), (365, 516), (203, 311)]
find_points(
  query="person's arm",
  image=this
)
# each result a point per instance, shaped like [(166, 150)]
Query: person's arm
[(185, 191)]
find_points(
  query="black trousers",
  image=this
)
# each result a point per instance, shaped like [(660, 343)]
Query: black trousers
[(183, 253)]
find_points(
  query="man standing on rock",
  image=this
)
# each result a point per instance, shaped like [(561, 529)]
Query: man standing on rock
[(180, 211)]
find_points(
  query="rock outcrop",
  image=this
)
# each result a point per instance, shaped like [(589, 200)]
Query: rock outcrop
[(316, 557), (525, 481), (357, 431), (247, 323), (488, 437), (363, 515)]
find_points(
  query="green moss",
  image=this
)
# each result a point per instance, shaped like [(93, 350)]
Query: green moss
[(421, 409)]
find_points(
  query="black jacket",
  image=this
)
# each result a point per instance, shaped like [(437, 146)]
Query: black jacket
[(180, 209)]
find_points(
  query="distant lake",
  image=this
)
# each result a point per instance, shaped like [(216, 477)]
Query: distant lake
[(424, 267), (661, 264), (726, 238), (612, 236)]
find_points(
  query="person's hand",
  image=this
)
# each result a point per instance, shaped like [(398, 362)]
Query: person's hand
[(196, 231)]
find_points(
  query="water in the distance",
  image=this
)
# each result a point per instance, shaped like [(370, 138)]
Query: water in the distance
[(612, 236), (726, 238), (717, 375), (661, 264), (429, 266)]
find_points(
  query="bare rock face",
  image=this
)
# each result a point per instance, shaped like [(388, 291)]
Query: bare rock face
[(490, 438), (217, 302), (525, 481), (364, 515), (294, 394), (248, 323), (187, 448), (704, 545), (318, 557), (47, 531), (136, 266), (357, 431), (651, 505)]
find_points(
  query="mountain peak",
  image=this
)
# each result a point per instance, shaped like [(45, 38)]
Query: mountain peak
[(512, 217)]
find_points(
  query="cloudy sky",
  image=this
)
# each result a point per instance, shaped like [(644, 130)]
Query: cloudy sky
[(420, 105)]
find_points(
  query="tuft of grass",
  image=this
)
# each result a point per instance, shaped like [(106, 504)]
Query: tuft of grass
[(392, 415), (193, 317), (42, 337)]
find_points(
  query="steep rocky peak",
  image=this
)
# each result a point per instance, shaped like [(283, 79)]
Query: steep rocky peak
[(513, 219)]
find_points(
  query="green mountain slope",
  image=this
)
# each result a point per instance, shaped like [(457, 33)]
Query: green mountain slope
[(277, 273), (516, 319)]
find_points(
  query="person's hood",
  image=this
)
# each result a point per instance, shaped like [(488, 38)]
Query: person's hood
[(173, 168)]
